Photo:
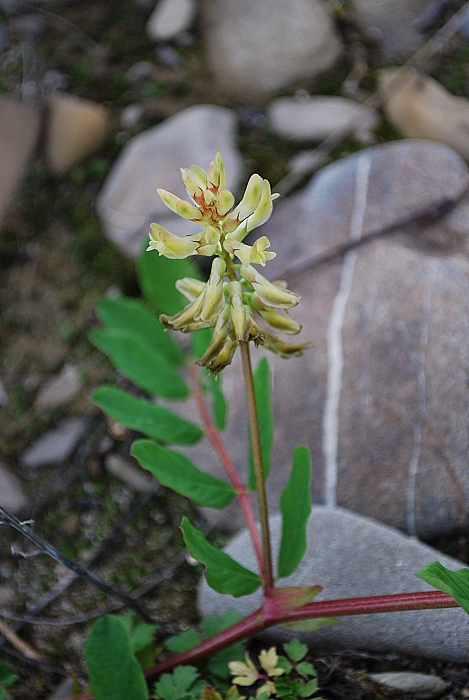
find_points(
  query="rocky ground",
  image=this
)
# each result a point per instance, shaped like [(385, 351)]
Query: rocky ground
[(63, 244)]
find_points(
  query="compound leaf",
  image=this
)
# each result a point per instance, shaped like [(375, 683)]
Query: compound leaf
[(175, 685), (176, 471), (223, 573)]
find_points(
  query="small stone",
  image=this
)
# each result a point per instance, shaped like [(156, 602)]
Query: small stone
[(421, 686), (59, 390), (135, 478), (55, 445), (168, 56), (314, 118), (64, 690), (7, 595), (255, 48), (390, 24), (128, 203), (12, 497), (169, 18), (19, 129), (352, 556), (130, 116), (55, 80), (76, 129), (140, 72), (423, 109)]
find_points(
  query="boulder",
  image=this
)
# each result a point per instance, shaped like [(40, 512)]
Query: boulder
[(128, 202), (256, 48), (381, 398), (352, 556)]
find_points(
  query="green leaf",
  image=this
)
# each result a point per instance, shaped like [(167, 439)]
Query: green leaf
[(148, 369), (113, 671), (284, 663), (219, 405), (132, 316), (266, 424), (308, 689), (454, 583), (175, 685), (311, 625), (157, 277), (214, 624), (183, 641), (306, 669), (295, 506), (140, 634), (223, 573), (176, 471), (200, 341), (218, 664), (145, 416), (7, 677), (295, 650)]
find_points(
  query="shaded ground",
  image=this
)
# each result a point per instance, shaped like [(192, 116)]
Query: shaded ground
[(54, 265)]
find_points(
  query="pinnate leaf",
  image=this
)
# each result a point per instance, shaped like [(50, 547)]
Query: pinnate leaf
[(145, 416), (223, 573), (176, 471), (266, 425), (132, 315), (147, 368), (454, 583), (113, 671), (295, 506)]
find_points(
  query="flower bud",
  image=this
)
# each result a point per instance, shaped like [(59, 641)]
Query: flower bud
[(263, 210), (280, 320), (223, 358), (185, 316), (191, 183), (199, 174), (209, 198), (214, 300), (238, 314), (216, 173), (254, 334), (225, 201), (169, 199), (209, 241), (172, 246), (269, 293), (188, 211), (190, 287), (285, 350), (251, 198), (220, 333)]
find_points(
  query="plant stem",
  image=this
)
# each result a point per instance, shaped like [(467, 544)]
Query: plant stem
[(258, 468), (241, 491)]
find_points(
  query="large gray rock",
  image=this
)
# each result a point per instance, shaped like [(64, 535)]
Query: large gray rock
[(390, 23), (128, 202), (351, 556), (381, 398), (255, 47)]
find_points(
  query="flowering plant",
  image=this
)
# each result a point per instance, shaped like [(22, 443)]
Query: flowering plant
[(236, 306)]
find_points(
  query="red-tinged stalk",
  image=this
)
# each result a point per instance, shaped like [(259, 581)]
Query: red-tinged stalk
[(258, 468), (241, 491), (262, 619)]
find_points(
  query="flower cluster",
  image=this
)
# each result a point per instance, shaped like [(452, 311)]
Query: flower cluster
[(235, 292), (246, 674)]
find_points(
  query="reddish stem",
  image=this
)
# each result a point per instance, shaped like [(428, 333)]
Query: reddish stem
[(261, 619), (242, 493)]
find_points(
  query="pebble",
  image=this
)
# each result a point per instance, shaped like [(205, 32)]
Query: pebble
[(168, 56), (59, 390), (139, 72), (129, 473), (421, 686), (12, 497), (19, 130), (55, 445), (390, 24), (131, 116), (128, 203), (352, 556), (76, 129), (169, 18), (7, 595), (54, 79), (256, 48), (422, 108), (314, 118)]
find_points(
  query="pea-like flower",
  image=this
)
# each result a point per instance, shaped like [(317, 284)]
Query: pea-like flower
[(234, 292)]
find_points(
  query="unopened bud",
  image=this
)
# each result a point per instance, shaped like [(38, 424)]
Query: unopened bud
[(224, 357), (254, 334), (269, 293), (216, 173), (281, 321), (220, 333), (238, 314), (214, 300), (188, 211), (191, 183), (171, 246), (185, 316), (190, 287), (225, 201), (209, 198), (285, 350)]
